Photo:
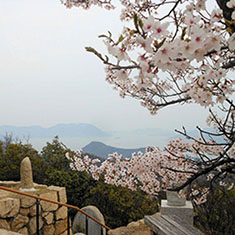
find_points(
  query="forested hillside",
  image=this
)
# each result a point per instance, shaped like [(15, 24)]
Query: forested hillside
[(118, 205)]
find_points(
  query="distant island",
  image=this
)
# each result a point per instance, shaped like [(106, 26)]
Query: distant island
[(102, 150)]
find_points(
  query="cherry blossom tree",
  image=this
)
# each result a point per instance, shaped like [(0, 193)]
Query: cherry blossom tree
[(172, 52)]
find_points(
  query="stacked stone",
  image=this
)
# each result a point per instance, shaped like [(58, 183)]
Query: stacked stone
[(18, 213)]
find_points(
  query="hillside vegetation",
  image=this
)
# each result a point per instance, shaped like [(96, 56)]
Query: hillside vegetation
[(118, 205)]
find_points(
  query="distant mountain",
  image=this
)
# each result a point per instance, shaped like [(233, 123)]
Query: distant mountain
[(102, 150), (77, 130), (77, 135), (62, 130)]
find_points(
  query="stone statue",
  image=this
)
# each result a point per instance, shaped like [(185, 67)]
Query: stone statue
[(26, 175)]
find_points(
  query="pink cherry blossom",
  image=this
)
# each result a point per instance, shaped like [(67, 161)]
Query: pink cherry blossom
[(160, 29), (148, 23), (231, 42), (231, 4)]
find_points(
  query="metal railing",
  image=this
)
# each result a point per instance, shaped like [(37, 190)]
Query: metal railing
[(38, 199)]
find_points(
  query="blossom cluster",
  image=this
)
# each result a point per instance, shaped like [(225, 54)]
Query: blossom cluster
[(175, 52), (145, 171), (158, 170), (86, 4), (170, 64)]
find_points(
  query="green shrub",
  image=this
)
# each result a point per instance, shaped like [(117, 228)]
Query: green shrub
[(217, 215)]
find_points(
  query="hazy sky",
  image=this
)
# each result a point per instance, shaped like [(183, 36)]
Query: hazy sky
[(47, 77)]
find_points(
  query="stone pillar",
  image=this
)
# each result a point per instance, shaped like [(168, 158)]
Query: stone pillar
[(177, 208), (26, 175)]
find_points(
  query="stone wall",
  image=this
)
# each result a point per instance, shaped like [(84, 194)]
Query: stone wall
[(18, 213)]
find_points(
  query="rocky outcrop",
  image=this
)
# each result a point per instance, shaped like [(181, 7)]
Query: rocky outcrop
[(134, 228)]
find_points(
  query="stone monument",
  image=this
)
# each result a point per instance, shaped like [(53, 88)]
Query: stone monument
[(175, 217), (93, 228), (177, 208), (18, 213), (26, 175)]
